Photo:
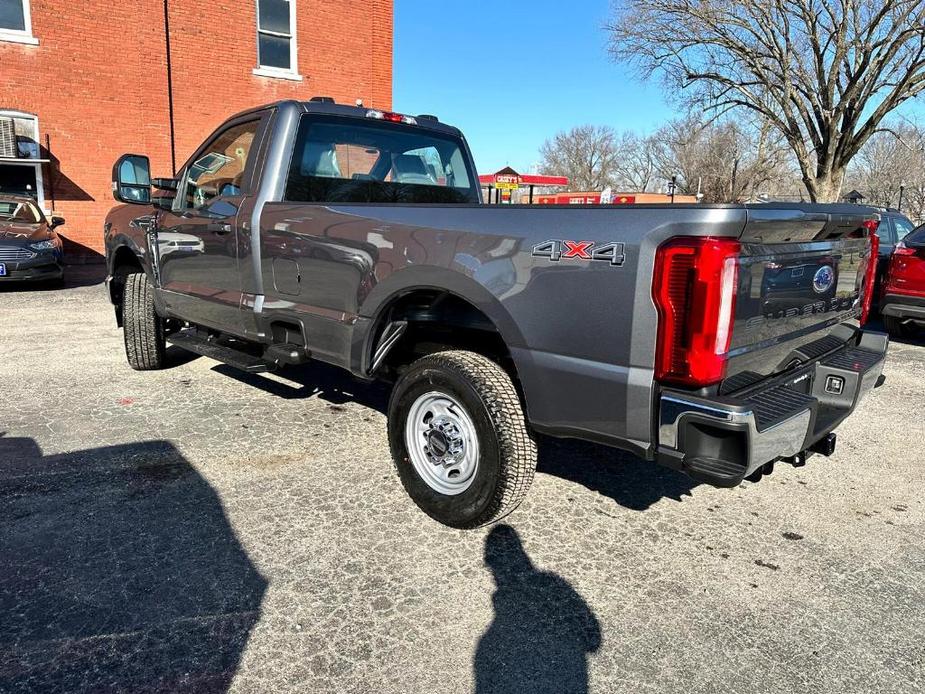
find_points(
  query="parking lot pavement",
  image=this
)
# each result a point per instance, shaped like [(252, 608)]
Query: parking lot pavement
[(200, 530)]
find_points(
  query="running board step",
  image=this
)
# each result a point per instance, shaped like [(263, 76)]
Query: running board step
[(192, 341)]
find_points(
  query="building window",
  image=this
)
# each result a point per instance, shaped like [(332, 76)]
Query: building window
[(16, 22), (276, 39), (20, 155)]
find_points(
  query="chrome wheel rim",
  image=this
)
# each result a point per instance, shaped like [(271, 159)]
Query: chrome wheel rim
[(442, 443)]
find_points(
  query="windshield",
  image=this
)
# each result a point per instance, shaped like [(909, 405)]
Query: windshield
[(350, 160), (19, 212)]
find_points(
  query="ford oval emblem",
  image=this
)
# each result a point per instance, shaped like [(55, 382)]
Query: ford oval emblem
[(823, 279)]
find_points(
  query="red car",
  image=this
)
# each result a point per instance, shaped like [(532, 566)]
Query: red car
[(902, 303)]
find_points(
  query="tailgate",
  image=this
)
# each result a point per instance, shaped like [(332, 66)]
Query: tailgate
[(801, 274)]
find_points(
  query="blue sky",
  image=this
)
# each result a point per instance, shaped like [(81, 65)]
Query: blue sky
[(512, 74)]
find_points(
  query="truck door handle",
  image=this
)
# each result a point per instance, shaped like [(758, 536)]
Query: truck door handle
[(220, 228)]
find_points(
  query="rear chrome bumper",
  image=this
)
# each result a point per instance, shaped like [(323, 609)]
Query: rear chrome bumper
[(722, 440)]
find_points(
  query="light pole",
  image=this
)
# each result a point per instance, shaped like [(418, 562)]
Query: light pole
[(899, 205), (672, 184)]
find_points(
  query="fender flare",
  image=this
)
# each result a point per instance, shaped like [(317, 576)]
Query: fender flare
[(117, 246), (386, 293)]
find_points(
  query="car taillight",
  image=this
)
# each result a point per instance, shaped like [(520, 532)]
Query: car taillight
[(906, 273), (870, 271), (694, 289)]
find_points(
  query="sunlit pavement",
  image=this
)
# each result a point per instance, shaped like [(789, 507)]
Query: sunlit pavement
[(199, 530)]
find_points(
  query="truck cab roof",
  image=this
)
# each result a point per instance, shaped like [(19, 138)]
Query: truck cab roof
[(323, 105)]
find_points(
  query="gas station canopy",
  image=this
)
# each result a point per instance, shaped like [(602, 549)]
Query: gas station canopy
[(508, 179)]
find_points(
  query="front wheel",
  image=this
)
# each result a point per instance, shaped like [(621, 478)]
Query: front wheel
[(143, 329), (459, 439)]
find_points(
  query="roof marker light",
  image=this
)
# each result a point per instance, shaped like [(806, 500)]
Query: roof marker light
[(391, 117)]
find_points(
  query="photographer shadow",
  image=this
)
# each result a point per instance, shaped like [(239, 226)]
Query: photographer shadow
[(119, 571), (542, 632)]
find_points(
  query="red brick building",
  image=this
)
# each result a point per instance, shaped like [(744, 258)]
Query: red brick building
[(83, 82)]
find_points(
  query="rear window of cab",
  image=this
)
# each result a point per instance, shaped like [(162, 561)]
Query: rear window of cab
[(350, 160)]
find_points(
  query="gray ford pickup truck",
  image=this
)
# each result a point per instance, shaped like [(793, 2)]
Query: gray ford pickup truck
[(714, 339)]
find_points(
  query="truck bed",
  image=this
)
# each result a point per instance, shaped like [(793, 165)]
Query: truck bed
[(582, 331)]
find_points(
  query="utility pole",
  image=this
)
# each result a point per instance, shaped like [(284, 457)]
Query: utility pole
[(173, 135)]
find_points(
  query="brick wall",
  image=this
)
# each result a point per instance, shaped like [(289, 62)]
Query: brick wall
[(98, 83)]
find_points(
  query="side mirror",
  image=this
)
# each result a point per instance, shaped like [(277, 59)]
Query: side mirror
[(131, 179), (56, 222)]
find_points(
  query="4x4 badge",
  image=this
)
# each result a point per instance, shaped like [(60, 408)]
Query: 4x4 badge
[(556, 250)]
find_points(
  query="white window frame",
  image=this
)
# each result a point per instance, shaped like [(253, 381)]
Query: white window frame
[(17, 36), (34, 163), (266, 71)]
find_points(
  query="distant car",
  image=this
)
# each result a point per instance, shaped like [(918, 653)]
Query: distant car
[(30, 248), (902, 303), (169, 242), (894, 227)]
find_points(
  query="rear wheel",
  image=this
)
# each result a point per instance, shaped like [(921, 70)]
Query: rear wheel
[(459, 439), (145, 344)]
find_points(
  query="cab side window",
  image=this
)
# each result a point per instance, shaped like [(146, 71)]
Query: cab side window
[(218, 170), (902, 227), (885, 234)]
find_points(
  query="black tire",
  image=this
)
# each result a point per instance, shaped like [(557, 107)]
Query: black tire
[(143, 329), (507, 458), (896, 328)]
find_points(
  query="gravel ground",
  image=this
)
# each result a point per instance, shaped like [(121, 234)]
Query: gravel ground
[(199, 530)]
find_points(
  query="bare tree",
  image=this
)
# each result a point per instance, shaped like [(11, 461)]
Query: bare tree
[(890, 160), (727, 161), (825, 73), (636, 166), (586, 154)]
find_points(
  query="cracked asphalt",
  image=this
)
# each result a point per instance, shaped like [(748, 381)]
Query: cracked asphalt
[(199, 530)]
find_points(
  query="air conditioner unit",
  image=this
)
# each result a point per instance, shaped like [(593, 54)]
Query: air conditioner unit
[(8, 147)]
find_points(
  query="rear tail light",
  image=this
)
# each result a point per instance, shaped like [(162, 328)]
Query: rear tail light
[(870, 271), (694, 289), (906, 271)]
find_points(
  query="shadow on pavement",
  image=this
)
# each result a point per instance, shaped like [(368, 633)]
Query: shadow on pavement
[(633, 483), (542, 632), (74, 276), (315, 379), (118, 572), (84, 275)]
